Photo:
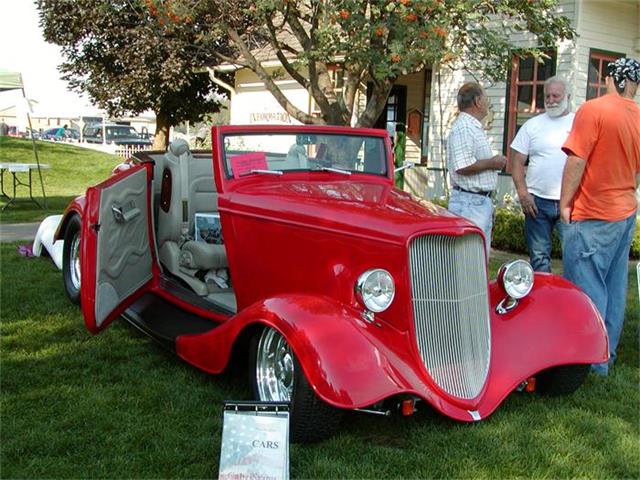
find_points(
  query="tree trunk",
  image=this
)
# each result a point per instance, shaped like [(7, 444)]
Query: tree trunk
[(375, 105), (161, 139)]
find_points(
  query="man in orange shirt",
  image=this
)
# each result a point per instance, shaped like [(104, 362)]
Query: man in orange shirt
[(598, 201)]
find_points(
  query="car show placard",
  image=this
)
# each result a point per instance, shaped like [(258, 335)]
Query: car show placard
[(244, 163), (255, 442)]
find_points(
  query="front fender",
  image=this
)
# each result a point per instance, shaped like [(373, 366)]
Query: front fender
[(348, 361), (556, 324)]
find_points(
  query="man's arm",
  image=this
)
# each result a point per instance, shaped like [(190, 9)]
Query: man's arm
[(517, 173), (571, 178), (496, 162)]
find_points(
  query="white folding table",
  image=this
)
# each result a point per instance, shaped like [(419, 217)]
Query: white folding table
[(14, 169)]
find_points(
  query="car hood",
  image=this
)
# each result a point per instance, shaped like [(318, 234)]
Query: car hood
[(357, 208)]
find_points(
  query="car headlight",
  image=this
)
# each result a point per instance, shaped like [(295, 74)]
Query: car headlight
[(517, 278), (375, 289)]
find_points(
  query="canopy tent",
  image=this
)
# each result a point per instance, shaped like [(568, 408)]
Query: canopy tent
[(10, 80), (13, 81)]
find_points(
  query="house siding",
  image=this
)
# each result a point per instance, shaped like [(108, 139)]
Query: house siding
[(610, 25), (253, 104)]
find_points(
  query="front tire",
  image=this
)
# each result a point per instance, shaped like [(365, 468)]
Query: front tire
[(71, 259), (276, 376), (562, 380)]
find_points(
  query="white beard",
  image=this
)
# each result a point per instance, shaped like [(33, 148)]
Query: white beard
[(557, 110)]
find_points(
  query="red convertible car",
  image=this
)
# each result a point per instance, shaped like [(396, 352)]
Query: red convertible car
[(289, 247)]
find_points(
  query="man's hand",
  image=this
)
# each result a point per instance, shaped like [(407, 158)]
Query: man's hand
[(528, 204), (565, 214), (499, 162), (571, 178), (496, 162)]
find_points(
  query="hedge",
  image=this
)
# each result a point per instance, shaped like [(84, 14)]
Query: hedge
[(508, 234)]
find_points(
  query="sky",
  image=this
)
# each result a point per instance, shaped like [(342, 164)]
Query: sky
[(23, 49)]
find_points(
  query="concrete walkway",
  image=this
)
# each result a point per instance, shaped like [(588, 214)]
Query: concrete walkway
[(13, 232)]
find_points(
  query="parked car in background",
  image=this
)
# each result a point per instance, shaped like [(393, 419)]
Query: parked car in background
[(50, 133), (69, 135), (12, 131), (72, 134), (288, 247), (32, 133), (113, 134)]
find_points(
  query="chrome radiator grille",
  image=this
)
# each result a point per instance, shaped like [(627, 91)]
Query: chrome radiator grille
[(451, 311)]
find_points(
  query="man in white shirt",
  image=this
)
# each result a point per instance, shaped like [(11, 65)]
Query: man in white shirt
[(540, 139), (472, 165)]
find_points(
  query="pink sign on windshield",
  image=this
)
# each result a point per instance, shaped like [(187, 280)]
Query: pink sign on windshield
[(246, 162)]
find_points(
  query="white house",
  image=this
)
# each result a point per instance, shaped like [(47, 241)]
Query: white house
[(425, 101)]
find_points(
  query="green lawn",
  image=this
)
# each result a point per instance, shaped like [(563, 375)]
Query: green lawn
[(72, 170), (118, 406)]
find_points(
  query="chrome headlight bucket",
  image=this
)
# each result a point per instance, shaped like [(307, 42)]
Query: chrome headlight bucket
[(516, 278), (375, 290)]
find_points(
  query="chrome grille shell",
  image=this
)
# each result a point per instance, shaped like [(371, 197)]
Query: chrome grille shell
[(451, 311)]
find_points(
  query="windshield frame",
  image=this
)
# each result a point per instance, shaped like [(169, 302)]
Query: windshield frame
[(382, 150)]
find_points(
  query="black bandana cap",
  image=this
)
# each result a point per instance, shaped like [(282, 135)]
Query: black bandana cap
[(624, 69)]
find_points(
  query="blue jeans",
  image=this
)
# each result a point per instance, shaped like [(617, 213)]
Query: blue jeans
[(475, 208), (538, 231), (596, 259)]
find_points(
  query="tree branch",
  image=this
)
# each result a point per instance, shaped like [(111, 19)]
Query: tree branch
[(318, 73), (269, 83), (278, 47), (351, 87), (230, 60)]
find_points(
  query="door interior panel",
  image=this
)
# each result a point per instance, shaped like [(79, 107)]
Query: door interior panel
[(124, 255)]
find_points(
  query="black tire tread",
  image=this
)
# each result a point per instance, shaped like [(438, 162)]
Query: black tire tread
[(73, 226), (312, 420), (562, 380)]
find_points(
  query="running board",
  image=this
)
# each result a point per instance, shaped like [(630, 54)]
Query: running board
[(163, 321)]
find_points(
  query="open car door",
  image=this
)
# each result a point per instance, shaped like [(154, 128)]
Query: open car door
[(116, 259)]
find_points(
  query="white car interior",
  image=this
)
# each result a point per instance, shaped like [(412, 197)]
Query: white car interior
[(183, 187)]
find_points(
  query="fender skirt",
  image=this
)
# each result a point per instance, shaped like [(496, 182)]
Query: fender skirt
[(352, 363)]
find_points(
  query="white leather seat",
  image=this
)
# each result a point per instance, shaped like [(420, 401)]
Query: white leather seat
[(187, 187), (297, 157)]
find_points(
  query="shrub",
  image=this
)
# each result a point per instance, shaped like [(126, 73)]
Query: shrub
[(508, 234)]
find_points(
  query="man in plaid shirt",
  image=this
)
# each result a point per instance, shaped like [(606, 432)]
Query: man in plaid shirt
[(472, 165)]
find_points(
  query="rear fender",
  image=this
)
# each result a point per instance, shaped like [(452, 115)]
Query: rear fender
[(76, 207), (345, 359)]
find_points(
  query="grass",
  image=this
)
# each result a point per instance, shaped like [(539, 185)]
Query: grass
[(117, 406), (72, 170)]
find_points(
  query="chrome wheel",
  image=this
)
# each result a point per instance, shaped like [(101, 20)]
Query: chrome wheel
[(275, 368), (75, 261), (275, 375)]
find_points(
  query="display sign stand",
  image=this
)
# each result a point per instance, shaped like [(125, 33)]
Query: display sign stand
[(255, 441)]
